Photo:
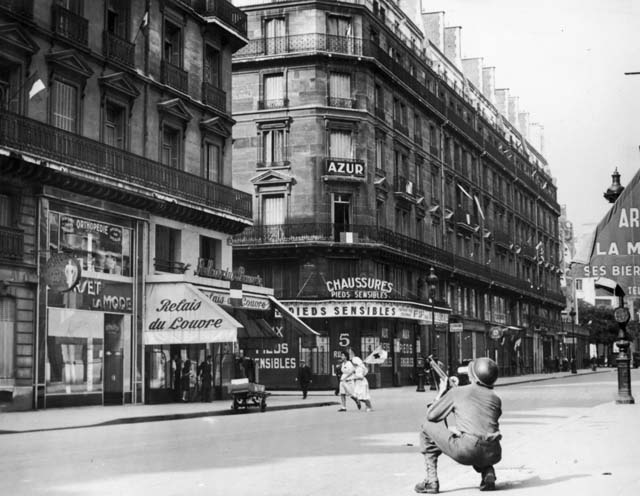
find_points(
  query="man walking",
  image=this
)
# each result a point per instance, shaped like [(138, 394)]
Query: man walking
[(206, 375), (475, 439), (304, 378)]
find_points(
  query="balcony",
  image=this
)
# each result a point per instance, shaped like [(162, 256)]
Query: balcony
[(214, 97), (404, 189), (528, 251), (502, 238), (69, 25), (223, 10), (401, 127), (273, 103), (11, 244), (117, 49), (170, 266), (466, 221), (175, 77), (20, 7), (301, 43), (90, 160)]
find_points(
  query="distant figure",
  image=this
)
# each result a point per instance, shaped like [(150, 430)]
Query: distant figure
[(175, 377), (205, 375), (338, 370), (304, 378), (187, 379)]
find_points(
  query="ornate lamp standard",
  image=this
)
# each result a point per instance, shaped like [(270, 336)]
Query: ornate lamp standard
[(432, 281), (574, 366)]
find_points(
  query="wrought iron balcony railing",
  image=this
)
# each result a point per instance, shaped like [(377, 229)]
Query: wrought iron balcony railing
[(273, 103), (118, 49), (11, 244), (223, 10), (22, 7), (174, 76), (214, 96), (170, 266), (69, 24), (32, 136), (348, 103)]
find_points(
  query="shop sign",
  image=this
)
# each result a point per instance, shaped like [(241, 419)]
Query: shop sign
[(359, 288), (352, 168), (248, 302), (62, 272), (455, 327), (206, 268), (276, 357), (95, 294), (360, 308)]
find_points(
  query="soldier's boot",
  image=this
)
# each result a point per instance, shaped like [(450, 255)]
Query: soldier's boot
[(488, 482), (430, 485)]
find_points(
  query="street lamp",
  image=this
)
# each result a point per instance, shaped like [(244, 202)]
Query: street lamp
[(432, 281), (574, 366)]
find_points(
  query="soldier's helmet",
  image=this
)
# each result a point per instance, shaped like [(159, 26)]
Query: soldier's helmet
[(484, 371)]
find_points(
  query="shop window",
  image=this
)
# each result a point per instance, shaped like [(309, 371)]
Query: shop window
[(168, 250), (7, 337), (318, 357), (65, 105)]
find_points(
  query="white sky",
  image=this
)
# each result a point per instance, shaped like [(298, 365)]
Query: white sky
[(566, 61)]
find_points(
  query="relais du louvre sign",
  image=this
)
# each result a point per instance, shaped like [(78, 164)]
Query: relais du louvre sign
[(364, 308), (612, 251), (345, 168)]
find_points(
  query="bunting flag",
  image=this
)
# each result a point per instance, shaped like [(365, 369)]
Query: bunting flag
[(465, 192), (479, 207), (377, 356), (36, 88)]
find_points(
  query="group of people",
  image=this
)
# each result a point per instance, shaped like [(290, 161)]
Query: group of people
[(352, 377), (189, 385)]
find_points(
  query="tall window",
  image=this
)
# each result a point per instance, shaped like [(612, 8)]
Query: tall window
[(74, 6), (213, 163), (340, 144), (212, 66), (210, 249), (10, 84), (114, 125), (6, 211), (378, 96), (7, 332), (172, 47), (65, 106), (273, 211), (167, 249), (273, 146), (274, 91), (380, 152), (171, 146), (274, 34), (339, 34), (339, 89), (117, 18)]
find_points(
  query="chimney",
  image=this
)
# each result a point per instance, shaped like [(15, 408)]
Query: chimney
[(489, 83), (453, 45), (433, 23), (536, 136), (514, 110), (502, 101), (523, 124), (472, 69)]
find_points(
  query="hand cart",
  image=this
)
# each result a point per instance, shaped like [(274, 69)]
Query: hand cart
[(247, 394)]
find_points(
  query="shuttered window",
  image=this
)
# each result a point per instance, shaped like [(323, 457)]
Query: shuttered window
[(340, 144), (340, 85), (273, 149), (274, 87), (213, 170), (273, 210), (170, 147), (65, 106)]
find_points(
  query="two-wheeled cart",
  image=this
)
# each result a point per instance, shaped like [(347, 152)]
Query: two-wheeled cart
[(247, 394)]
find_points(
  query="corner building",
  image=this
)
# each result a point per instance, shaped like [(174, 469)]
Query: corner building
[(115, 154), (368, 166)]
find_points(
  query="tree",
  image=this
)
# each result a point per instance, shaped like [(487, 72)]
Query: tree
[(599, 320)]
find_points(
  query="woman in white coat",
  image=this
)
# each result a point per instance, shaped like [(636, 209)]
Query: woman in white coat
[(360, 383)]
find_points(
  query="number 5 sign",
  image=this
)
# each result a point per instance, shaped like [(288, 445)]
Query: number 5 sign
[(344, 340)]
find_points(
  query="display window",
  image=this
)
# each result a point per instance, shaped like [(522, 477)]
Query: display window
[(99, 247)]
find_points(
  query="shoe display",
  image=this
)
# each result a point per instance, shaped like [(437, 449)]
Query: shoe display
[(426, 487)]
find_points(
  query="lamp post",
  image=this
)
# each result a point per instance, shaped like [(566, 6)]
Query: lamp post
[(432, 281), (574, 366)]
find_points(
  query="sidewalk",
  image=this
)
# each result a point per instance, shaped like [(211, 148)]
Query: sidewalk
[(93, 416)]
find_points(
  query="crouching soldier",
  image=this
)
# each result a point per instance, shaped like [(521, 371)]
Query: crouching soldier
[(475, 438)]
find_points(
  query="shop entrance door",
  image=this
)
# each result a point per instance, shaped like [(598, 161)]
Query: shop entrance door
[(113, 360)]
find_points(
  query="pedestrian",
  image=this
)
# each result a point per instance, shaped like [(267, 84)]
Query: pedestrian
[(346, 382), (338, 371), (475, 439), (304, 378), (187, 381), (175, 377), (360, 383), (205, 376)]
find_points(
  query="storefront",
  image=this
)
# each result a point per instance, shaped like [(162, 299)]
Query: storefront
[(88, 338)]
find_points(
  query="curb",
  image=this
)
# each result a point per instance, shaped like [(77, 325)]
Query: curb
[(540, 379)]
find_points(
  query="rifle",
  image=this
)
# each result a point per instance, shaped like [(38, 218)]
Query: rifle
[(451, 381)]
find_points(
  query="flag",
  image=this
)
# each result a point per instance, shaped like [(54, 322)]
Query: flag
[(377, 356), (465, 192), (479, 207), (517, 344), (36, 88), (145, 20)]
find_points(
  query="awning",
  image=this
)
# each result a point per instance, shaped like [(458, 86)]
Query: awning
[(178, 313), (297, 324), (253, 328)]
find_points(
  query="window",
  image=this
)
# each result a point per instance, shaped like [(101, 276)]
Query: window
[(210, 252), (378, 96), (170, 153), (380, 152), (7, 336), (172, 47), (212, 66), (273, 210), (212, 163), (435, 187), (114, 125), (273, 147), (167, 250), (10, 86), (74, 6), (116, 21), (318, 357), (340, 144), (274, 91), (340, 90), (6, 211), (65, 106), (274, 33), (380, 217), (578, 284)]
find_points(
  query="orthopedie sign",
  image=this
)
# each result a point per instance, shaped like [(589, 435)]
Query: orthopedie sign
[(179, 313), (364, 308)]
